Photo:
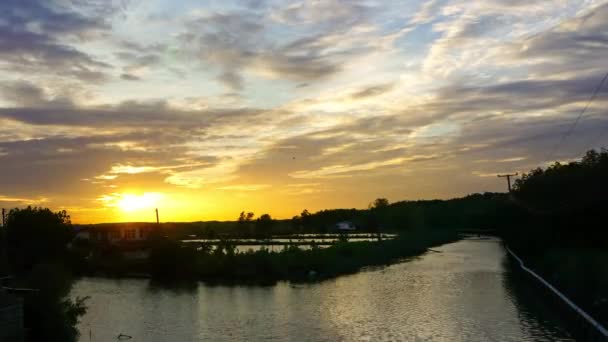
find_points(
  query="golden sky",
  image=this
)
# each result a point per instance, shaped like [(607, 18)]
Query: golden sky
[(204, 109)]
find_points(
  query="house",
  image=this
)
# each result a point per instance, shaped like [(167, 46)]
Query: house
[(345, 226), (115, 233), (81, 234)]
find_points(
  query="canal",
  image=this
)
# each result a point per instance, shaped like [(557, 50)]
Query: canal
[(465, 291)]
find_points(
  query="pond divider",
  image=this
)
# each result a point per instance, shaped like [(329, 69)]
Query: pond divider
[(599, 332)]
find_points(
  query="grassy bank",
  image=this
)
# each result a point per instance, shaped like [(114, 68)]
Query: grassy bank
[(172, 261), (559, 215), (580, 274)]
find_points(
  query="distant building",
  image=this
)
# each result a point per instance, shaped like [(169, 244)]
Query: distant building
[(82, 234), (115, 233), (345, 226)]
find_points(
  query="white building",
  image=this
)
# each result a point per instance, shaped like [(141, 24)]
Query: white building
[(345, 226)]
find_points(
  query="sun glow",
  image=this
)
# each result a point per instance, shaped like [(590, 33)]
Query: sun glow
[(130, 202)]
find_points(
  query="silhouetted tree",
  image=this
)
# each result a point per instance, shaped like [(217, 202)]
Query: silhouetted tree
[(305, 217), (35, 235), (263, 225), (242, 217), (379, 203), (39, 257)]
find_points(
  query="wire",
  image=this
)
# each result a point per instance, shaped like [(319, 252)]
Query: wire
[(578, 118), (597, 140)]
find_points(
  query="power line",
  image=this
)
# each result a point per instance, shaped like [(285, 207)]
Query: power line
[(578, 118), (597, 140)]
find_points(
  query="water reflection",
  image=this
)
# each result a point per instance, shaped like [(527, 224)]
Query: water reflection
[(463, 293), (278, 244), (537, 319)]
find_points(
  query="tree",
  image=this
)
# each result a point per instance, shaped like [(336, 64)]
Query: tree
[(36, 235), (250, 216), (50, 315), (263, 224), (379, 203), (306, 217), (265, 218), (242, 217), (38, 255)]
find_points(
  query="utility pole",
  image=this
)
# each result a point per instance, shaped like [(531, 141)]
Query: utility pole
[(157, 221), (508, 177)]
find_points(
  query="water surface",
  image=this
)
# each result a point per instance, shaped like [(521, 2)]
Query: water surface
[(464, 293)]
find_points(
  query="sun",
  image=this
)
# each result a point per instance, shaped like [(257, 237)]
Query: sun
[(131, 202)]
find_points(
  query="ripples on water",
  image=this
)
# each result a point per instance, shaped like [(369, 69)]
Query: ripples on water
[(464, 293)]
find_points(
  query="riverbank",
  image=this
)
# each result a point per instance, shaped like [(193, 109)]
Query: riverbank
[(583, 325), (579, 273), (171, 261), (463, 294)]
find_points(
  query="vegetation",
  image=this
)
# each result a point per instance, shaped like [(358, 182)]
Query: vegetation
[(35, 235), (171, 261), (39, 260), (561, 214)]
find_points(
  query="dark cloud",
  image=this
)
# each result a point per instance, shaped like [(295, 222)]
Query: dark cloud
[(511, 97), (137, 58), (238, 42), (34, 36), (577, 45), (24, 93), (226, 40), (329, 13), (373, 91), (54, 165), (37, 109), (52, 17), (232, 80), (60, 164), (129, 77), (125, 115)]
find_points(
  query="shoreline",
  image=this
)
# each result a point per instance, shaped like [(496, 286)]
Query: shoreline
[(264, 267)]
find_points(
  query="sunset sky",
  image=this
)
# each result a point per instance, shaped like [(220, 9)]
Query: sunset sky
[(203, 109)]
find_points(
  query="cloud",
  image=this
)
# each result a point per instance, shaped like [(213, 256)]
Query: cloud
[(237, 43), (427, 12), (34, 37), (373, 91), (24, 93), (129, 77), (332, 171), (330, 12), (138, 60), (22, 200), (477, 37), (244, 187), (574, 46), (154, 113)]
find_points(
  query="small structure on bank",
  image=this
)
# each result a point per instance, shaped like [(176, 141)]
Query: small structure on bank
[(345, 226), (129, 239), (115, 233)]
